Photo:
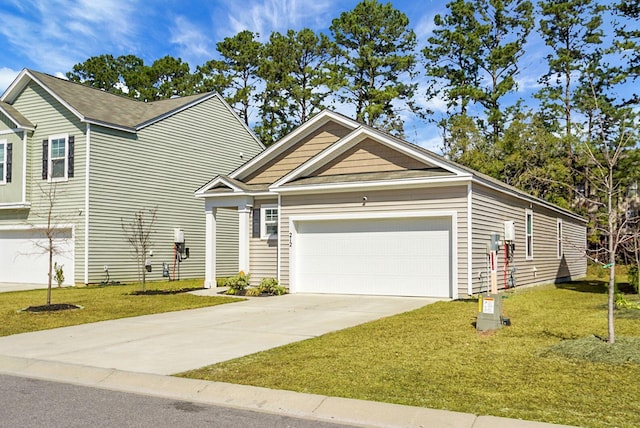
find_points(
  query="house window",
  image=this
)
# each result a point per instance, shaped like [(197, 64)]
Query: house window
[(3, 161), (269, 226), (559, 238), (529, 234), (57, 158)]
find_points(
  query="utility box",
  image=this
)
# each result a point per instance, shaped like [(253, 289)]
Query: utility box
[(489, 312), (495, 242), (509, 231)]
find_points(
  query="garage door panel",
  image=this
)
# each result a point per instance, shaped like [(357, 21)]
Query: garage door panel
[(407, 256), (24, 258)]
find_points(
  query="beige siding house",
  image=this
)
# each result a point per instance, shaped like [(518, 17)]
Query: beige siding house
[(106, 157), (339, 207)]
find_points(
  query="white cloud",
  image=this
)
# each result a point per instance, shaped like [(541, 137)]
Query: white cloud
[(263, 17), (194, 46), (7, 76), (55, 34)]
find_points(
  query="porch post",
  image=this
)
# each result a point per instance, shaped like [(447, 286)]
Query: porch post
[(243, 238), (210, 249)]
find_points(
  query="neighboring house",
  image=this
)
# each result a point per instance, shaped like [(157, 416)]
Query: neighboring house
[(106, 157), (339, 207)]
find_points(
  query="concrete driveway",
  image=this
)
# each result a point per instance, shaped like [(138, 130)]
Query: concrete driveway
[(177, 341)]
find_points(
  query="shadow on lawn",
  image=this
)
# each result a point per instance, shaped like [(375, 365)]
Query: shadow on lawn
[(595, 286)]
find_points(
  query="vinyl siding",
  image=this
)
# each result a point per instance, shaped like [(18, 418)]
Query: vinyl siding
[(299, 153), (491, 209), (51, 118), (451, 199), (369, 156), (161, 167), (263, 253)]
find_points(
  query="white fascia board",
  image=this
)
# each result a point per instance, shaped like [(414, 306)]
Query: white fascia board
[(65, 226), (298, 133), (529, 198), (108, 125), (373, 185), (18, 84), (218, 180)]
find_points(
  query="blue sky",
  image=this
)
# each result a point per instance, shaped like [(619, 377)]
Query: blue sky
[(53, 35)]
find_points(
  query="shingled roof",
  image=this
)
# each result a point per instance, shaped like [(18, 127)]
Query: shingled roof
[(15, 116), (96, 106)]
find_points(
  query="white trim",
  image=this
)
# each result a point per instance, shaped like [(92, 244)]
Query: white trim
[(50, 177), (3, 150), (228, 202), (24, 166), (559, 239), (86, 203), (109, 125), (301, 131), (453, 215), (528, 212), (210, 249), (374, 185), (243, 238), (64, 226), (469, 239), (279, 243), (13, 131), (201, 192), (263, 221)]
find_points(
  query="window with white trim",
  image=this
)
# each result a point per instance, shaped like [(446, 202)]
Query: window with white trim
[(57, 157), (559, 238), (3, 161), (529, 234), (269, 221)]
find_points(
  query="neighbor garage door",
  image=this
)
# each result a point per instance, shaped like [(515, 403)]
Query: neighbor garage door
[(389, 256), (23, 259)]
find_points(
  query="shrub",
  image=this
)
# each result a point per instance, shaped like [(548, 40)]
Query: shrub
[(632, 277), (238, 283), (59, 274), (253, 291), (272, 286)]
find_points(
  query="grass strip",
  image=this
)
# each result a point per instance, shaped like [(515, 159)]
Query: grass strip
[(433, 357), (99, 303)]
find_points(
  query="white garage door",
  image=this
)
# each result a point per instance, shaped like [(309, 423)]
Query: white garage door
[(23, 259), (398, 256)]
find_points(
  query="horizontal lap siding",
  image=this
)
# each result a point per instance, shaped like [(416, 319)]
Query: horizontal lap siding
[(490, 210), (409, 200), (161, 167), (51, 118), (369, 156), (12, 192), (302, 151), (263, 259)]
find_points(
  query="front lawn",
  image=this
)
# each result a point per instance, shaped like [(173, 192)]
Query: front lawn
[(99, 303), (433, 357)]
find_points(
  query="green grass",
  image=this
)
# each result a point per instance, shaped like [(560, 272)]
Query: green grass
[(433, 357), (100, 303)]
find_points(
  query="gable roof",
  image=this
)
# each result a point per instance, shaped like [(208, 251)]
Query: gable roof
[(15, 116), (95, 106)]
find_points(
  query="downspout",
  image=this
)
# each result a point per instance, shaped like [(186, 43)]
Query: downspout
[(24, 166), (86, 203), (469, 239)]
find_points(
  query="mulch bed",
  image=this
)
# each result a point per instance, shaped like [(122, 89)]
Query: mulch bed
[(52, 308), (156, 292)]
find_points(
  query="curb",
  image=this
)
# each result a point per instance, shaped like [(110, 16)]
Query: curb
[(302, 405)]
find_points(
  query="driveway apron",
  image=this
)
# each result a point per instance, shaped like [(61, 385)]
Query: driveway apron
[(177, 341)]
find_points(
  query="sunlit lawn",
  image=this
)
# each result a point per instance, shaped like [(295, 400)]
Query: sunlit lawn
[(433, 357), (99, 304)]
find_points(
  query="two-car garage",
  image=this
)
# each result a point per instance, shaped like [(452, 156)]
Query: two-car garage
[(399, 256)]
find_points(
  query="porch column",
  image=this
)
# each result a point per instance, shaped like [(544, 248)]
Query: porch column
[(243, 238), (210, 249)]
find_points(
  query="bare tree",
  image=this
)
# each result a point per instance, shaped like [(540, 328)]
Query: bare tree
[(611, 138), (138, 233)]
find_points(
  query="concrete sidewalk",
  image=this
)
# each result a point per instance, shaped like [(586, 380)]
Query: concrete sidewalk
[(135, 355)]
